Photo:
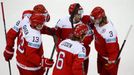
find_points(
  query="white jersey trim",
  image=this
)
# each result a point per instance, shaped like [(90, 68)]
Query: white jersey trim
[(28, 68), (9, 52)]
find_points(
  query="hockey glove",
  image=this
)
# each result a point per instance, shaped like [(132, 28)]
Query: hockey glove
[(110, 65), (47, 62), (8, 54)]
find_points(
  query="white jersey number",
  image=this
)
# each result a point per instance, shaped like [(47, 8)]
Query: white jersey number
[(111, 33), (60, 60), (20, 46)]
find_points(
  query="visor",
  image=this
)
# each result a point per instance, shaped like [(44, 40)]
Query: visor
[(80, 11)]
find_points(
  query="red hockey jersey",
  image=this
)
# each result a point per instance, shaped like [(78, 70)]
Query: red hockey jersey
[(106, 41), (65, 27), (65, 30), (29, 45), (70, 58)]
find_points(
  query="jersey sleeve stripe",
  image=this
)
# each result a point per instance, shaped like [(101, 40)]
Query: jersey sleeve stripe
[(33, 45)]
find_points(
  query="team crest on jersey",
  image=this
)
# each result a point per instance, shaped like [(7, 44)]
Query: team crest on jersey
[(103, 31)]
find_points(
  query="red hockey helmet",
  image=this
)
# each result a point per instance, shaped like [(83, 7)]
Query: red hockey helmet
[(41, 9), (72, 7), (80, 29), (98, 13), (27, 13), (37, 19)]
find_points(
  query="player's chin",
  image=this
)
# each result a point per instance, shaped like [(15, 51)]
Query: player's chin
[(39, 28)]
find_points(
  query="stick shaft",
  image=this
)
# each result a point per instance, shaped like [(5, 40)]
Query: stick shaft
[(3, 15), (123, 44), (51, 58)]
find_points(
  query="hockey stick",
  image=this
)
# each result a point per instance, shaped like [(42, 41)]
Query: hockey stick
[(51, 58), (2, 7), (118, 56), (52, 50)]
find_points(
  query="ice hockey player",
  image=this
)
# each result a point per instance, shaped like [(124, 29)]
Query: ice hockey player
[(30, 59), (71, 53), (106, 42), (65, 25), (87, 40)]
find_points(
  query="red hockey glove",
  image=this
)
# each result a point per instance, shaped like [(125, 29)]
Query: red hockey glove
[(110, 65), (8, 55), (47, 62), (86, 19)]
